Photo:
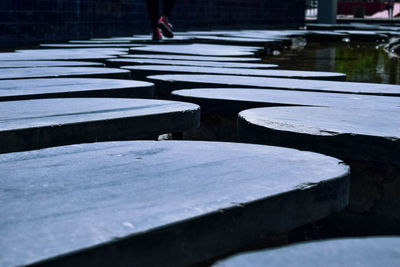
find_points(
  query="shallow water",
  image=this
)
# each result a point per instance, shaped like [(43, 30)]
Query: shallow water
[(362, 62)]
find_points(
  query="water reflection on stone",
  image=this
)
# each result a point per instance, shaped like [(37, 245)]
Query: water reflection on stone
[(361, 61)]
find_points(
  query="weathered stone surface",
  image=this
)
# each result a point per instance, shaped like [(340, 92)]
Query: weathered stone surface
[(122, 203), (165, 84), (67, 51), (228, 40), (192, 63), (88, 54), (233, 100), (193, 58), (105, 45), (73, 87), (55, 72), (197, 49), (32, 124), (47, 63), (368, 252), (361, 134), (144, 39), (147, 70), (357, 35), (368, 140)]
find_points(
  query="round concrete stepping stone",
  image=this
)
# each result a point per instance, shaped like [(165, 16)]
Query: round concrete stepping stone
[(364, 35), (100, 41), (32, 124), (343, 132), (193, 58), (106, 45), (73, 87), (362, 252), (122, 203), (87, 54), (101, 51), (147, 70), (165, 84), (314, 36), (12, 56), (271, 34), (143, 39), (54, 72), (142, 61), (197, 49), (233, 100), (366, 139), (226, 40), (45, 63)]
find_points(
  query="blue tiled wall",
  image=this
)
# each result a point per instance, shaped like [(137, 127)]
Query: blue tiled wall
[(25, 22)]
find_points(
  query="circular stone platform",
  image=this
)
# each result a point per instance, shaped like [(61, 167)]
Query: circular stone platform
[(32, 124), (165, 84), (122, 203), (351, 133), (367, 140), (105, 45), (193, 58), (147, 70), (56, 72), (362, 252), (234, 100), (197, 49), (229, 40), (132, 61), (87, 54), (46, 63), (73, 87)]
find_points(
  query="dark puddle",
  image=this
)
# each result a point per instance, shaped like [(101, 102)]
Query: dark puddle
[(361, 61)]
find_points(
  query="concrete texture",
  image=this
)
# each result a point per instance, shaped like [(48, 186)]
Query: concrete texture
[(164, 84), (33, 124), (122, 203), (20, 89)]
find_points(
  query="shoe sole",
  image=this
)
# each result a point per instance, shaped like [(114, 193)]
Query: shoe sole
[(166, 31)]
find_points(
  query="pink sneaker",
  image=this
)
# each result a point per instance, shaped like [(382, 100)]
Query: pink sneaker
[(157, 35), (165, 27)]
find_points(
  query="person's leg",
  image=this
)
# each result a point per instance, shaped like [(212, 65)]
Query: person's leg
[(152, 9), (163, 22), (167, 7)]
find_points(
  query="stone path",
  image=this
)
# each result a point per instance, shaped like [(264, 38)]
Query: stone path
[(143, 71), (157, 203), (107, 45), (89, 54), (182, 203), (197, 49), (366, 139), (234, 100), (164, 83), (54, 72), (191, 63), (33, 124), (192, 58), (73, 87), (47, 63)]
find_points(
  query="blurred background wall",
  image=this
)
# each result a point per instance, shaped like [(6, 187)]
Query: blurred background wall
[(28, 22)]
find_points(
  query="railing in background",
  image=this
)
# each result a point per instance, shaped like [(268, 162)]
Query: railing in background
[(311, 8)]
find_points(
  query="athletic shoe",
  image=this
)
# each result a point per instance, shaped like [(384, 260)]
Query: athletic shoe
[(165, 27), (157, 35)]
